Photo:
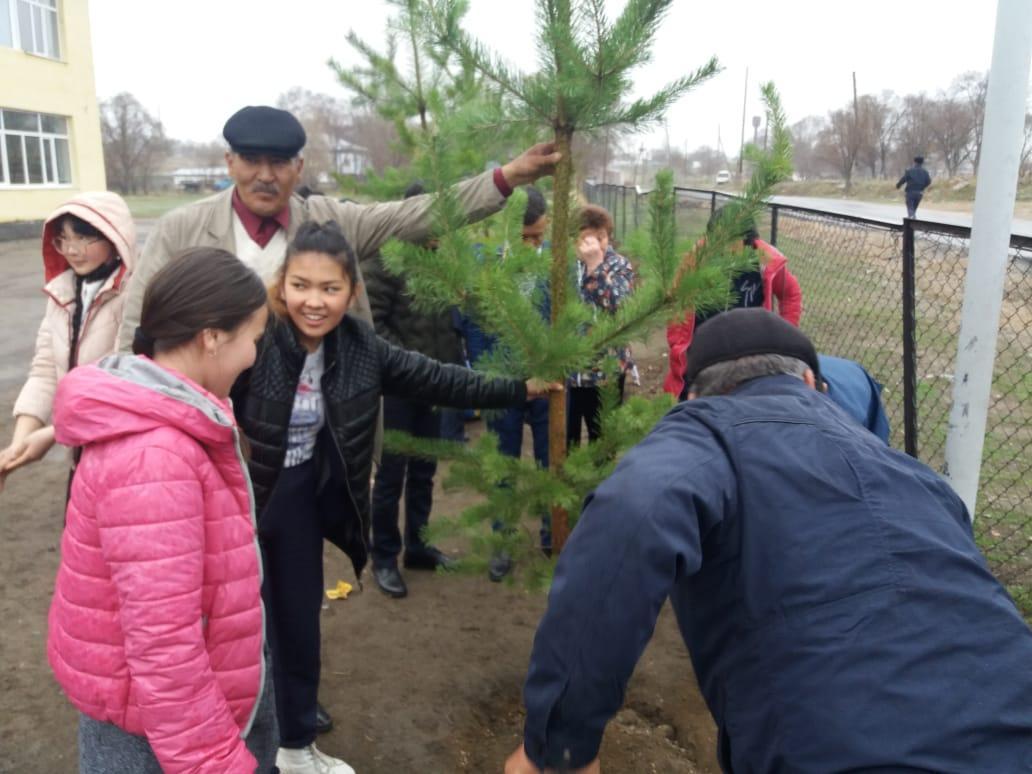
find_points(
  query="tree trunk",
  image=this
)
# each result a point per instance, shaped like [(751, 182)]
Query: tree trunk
[(558, 287)]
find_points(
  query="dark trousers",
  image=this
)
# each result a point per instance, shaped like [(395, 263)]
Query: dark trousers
[(583, 407), (912, 201), (399, 473), (291, 533), (508, 425)]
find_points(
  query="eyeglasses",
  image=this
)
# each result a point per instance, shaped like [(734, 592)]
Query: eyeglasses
[(78, 245)]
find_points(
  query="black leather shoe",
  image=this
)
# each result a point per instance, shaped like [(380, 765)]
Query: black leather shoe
[(498, 567), (388, 579), (323, 721), (429, 558)]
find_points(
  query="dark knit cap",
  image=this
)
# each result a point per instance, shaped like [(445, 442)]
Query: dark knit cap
[(263, 130), (743, 332)]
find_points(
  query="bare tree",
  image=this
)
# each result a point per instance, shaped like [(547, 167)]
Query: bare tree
[(970, 89), (595, 155), (706, 160), (327, 122), (380, 139), (951, 128), (839, 143), (199, 154), (914, 133), (134, 143), (806, 155), (879, 120)]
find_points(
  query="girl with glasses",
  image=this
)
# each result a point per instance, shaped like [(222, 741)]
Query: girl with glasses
[(89, 249)]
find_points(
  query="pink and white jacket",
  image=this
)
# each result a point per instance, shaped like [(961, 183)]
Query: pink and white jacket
[(109, 214), (156, 623), (778, 282)]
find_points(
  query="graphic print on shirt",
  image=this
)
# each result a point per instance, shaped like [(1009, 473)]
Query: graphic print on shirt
[(748, 292), (308, 414)]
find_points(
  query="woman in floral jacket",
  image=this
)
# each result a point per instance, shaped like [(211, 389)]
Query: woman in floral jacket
[(605, 279)]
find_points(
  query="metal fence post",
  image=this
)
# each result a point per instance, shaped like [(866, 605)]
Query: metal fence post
[(909, 342), (637, 215), (712, 202), (623, 205), (774, 224)]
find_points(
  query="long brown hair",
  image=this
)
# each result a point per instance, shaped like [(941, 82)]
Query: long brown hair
[(202, 288)]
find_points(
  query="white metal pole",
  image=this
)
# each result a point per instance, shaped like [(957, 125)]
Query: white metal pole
[(990, 239)]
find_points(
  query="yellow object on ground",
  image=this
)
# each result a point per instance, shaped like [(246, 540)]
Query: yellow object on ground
[(340, 591)]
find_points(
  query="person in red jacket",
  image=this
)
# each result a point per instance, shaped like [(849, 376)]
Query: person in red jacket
[(757, 288)]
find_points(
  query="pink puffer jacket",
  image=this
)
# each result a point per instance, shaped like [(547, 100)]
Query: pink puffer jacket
[(156, 623)]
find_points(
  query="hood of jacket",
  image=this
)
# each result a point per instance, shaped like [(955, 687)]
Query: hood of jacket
[(773, 259), (105, 211), (130, 394)]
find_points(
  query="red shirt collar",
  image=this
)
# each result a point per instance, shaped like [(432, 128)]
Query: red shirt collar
[(261, 230)]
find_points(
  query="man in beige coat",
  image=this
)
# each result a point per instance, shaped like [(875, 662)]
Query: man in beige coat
[(258, 216)]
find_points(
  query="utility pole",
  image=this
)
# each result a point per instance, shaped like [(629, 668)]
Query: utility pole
[(856, 104), (741, 145), (854, 139), (988, 252)]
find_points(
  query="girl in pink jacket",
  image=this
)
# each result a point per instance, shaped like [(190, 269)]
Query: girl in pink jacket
[(156, 625), (89, 251), (758, 288)]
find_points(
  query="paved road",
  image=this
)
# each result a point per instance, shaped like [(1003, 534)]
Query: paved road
[(889, 213), (21, 310)]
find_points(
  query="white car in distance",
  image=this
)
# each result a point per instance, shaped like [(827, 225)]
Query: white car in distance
[(723, 176)]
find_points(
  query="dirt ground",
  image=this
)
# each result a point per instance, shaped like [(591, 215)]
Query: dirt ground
[(426, 684)]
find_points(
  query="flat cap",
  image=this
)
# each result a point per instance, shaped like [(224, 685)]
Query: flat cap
[(260, 129), (743, 332)]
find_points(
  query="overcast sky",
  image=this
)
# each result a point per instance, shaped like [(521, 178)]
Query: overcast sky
[(194, 62)]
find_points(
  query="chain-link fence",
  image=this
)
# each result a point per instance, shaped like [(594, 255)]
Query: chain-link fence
[(889, 296), (1003, 523)]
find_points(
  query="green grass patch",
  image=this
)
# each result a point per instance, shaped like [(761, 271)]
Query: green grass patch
[(156, 205)]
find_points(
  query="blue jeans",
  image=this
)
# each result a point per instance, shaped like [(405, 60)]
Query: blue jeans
[(453, 424), (105, 748), (508, 425)]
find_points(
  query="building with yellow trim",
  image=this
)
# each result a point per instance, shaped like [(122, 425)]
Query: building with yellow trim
[(50, 147)]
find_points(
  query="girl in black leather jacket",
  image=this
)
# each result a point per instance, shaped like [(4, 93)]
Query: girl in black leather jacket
[(309, 408)]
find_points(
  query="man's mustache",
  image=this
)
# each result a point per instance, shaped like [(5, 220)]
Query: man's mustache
[(265, 188)]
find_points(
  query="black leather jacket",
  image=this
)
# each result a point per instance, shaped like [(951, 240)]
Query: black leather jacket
[(396, 318), (360, 367)]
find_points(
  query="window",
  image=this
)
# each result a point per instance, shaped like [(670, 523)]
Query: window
[(30, 25), (34, 150), (6, 27)]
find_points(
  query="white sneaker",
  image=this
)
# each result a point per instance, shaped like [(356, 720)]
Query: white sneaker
[(309, 760)]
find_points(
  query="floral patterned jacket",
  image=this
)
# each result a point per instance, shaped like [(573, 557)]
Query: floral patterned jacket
[(605, 288)]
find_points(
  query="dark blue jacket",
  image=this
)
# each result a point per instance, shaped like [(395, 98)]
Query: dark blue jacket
[(479, 342), (916, 180), (838, 614), (856, 392)]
